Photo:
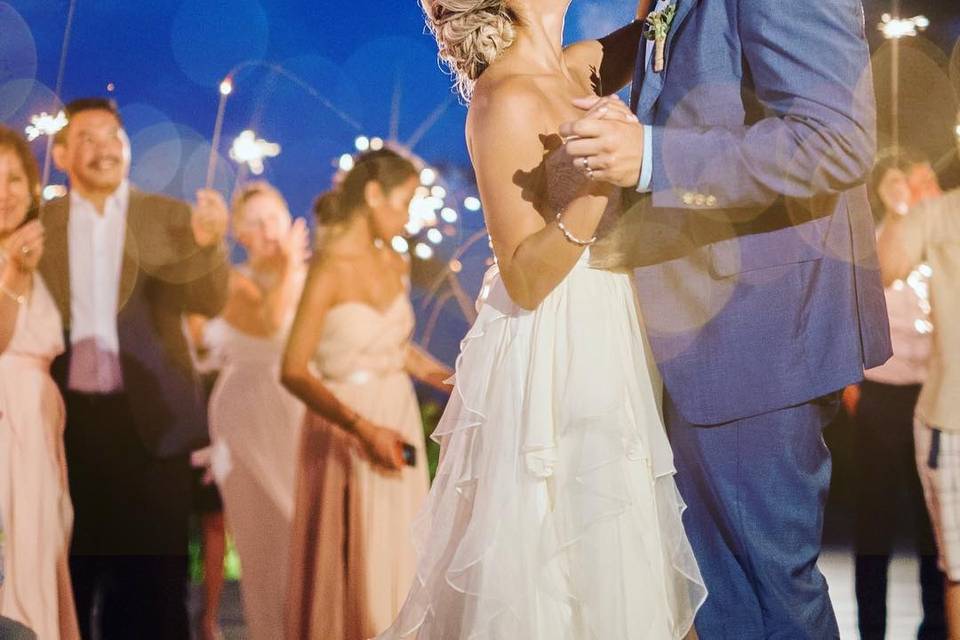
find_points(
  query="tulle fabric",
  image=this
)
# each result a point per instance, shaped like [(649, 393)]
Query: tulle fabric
[(554, 514)]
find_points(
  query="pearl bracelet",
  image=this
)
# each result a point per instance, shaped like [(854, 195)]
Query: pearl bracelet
[(570, 237)]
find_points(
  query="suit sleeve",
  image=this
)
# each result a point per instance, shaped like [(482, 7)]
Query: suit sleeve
[(810, 66), (207, 295), (201, 274)]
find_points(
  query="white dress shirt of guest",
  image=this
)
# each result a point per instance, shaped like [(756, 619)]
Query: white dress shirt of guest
[(96, 257)]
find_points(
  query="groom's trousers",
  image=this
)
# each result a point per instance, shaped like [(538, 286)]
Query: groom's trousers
[(756, 491)]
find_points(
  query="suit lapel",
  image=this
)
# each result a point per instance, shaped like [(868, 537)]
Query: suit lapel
[(55, 265), (639, 74), (131, 256), (651, 84)]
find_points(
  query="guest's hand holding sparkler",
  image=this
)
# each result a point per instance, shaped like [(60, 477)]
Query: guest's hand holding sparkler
[(210, 218)]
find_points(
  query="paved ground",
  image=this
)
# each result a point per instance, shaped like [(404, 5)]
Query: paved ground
[(904, 599)]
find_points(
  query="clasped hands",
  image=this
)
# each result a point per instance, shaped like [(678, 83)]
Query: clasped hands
[(606, 144)]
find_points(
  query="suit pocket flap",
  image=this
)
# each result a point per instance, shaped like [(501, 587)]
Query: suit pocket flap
[(792, 245)]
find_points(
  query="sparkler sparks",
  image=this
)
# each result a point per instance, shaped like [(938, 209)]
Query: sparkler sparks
[(250, 150), (896, 28), (45, 124)]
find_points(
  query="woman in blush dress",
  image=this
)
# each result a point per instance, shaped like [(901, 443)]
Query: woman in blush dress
[(350, 360), (254, 422), (34, 498)]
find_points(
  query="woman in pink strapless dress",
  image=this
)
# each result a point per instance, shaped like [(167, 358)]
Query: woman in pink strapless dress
[(350, 360), (254, 422), (34, 498)]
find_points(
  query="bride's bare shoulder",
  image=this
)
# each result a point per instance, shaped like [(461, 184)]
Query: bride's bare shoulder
[(507, 104)]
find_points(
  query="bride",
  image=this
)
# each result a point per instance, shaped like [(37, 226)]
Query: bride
[(554, 514)]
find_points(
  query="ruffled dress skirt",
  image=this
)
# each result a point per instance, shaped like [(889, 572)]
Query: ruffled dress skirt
[(554, 514)]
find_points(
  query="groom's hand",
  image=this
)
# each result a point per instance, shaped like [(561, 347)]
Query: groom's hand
[(607, 142)]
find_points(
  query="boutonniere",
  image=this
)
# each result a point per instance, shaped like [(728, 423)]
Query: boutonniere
[(656, 26)]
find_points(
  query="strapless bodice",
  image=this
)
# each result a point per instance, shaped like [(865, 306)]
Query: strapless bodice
[(360, 342)]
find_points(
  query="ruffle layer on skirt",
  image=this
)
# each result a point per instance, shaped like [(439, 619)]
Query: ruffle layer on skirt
[(554, 513)]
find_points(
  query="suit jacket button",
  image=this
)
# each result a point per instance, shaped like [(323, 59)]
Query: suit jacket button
[(711, 201), (687, 198), (699, 200)]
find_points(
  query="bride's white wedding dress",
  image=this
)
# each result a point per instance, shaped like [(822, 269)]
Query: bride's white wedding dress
[(554, 514)]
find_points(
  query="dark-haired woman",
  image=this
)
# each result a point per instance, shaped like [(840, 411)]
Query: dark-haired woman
[(349, 358), (34, 497)]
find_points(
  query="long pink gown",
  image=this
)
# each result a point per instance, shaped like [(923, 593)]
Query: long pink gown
[(353, 557), (255, 431), (34, 498)]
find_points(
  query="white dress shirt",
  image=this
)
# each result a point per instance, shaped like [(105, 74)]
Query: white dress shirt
[(646, 170), (96, 245)]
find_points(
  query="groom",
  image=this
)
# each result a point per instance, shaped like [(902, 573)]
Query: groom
[(757, 278)]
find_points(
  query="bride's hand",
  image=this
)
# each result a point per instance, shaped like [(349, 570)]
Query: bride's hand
[(605, 108), (384, 447), (606, 144)]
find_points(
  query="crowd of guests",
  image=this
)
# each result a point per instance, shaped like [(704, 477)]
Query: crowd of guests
[(112, 302)]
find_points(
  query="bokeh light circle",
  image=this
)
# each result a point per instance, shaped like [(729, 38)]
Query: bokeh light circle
[(210, 38), (18, 54)]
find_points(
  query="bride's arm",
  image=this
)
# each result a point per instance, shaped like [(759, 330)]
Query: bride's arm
[(532, 253), (612, 58)]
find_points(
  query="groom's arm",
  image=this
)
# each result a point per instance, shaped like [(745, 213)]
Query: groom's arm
[(613, 58), (610, 60), (811, 72)]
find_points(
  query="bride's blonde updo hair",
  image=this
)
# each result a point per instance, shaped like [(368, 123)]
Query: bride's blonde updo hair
[(471, 34)]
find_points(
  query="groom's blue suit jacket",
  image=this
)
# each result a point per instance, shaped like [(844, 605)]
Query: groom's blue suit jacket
[(768, 293)]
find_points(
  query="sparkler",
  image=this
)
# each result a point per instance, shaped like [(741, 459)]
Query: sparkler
[(250, 150), (44, 124), (894, 29), (58, 88), (226, 88)]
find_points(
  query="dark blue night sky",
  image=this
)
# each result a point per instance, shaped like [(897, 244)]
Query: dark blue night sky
[(372, 60)]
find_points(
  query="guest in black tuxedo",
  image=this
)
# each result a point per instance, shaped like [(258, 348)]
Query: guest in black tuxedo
[(123, 267)]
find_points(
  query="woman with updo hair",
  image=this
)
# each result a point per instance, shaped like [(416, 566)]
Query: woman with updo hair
[(554, 513), (362, 470), (35, 501)]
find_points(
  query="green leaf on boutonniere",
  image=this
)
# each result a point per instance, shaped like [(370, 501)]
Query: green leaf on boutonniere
[(656, 27)]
